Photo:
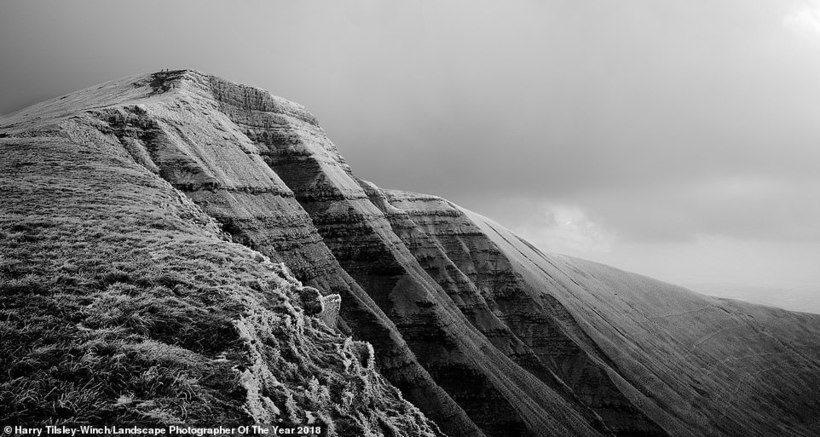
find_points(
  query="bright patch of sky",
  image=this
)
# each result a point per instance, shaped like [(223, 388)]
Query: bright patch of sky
[(804, 18)]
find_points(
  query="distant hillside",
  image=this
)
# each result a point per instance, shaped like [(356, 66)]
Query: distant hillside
[(800, 298), (164, 237)]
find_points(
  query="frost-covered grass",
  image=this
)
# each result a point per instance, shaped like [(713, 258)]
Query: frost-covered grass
[(120, 303)]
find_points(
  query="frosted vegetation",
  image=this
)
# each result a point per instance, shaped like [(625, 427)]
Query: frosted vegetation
[(124, 303)]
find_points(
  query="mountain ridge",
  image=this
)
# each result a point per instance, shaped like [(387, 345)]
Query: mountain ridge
[(484, 333)]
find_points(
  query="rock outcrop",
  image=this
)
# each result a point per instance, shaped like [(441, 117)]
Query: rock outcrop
[(482, 332)]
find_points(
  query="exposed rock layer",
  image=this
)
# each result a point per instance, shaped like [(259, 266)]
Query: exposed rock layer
[(484, 333)]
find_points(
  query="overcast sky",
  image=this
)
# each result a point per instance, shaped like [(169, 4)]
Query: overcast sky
[(678, 139)]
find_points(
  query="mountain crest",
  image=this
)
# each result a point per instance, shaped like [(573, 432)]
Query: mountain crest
[(483, 333)]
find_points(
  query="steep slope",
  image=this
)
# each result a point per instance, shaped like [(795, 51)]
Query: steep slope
[(694, 365), (500, 397), (120, 303), (713, 365), (482, 332), (533, 329)]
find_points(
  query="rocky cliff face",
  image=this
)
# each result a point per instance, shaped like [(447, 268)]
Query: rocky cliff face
[(483, 333)]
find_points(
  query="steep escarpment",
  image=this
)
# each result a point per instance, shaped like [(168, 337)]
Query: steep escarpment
[(307, 161), (533, 329), (483, 333)]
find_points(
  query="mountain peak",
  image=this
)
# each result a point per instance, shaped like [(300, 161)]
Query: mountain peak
[(162, 86)]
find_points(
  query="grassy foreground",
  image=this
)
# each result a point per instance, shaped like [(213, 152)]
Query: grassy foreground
[(122, 304)]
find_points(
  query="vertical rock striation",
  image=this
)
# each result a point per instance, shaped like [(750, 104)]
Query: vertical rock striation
[(532, 328), (361, 238)]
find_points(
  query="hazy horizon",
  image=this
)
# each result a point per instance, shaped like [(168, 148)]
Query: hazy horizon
[(677, 140)]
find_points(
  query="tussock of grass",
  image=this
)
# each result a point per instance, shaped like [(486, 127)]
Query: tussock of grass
[(121, 304)]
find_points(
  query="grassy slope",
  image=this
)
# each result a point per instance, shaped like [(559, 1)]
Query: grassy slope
[(120, 303)]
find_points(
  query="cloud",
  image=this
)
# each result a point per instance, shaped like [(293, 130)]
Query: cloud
[(745, 206), (805, 19), (560, 228)]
